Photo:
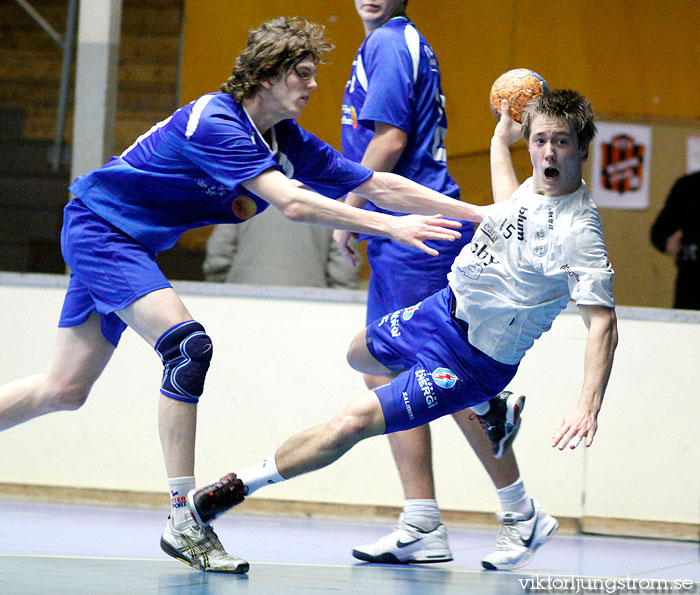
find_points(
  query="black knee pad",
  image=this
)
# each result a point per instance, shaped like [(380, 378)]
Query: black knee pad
[(185, 351)]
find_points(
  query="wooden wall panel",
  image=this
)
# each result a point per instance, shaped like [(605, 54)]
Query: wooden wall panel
[(636, 61)]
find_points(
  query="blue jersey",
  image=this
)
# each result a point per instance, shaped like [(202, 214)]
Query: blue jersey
[(187, 171), (395, 79)]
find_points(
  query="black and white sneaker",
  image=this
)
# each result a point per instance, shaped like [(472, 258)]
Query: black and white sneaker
[(407, 544), (502, 420), (519, 538)]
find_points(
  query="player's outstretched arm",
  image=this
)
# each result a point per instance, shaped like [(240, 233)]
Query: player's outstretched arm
[(300, 204), (503, 178), (600, 349), (396, 193)]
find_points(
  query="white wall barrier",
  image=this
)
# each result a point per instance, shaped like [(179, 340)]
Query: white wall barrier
[(279, 367)]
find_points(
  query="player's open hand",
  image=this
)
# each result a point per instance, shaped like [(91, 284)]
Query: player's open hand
[(414, 230), (345, 248), (507, 129), (573, 428)]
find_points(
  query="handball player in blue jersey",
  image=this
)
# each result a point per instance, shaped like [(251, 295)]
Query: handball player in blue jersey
[(540, 246), (393, 119), (223, 158)]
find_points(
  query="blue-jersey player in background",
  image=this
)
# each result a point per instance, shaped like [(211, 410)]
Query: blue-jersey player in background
[(394, 120), (221, 159)]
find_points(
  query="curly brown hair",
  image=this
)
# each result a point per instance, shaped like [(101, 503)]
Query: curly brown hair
[(566, 105), (272, 49)]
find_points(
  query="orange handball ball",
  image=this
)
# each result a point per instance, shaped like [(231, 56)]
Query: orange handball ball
[(519, 87)]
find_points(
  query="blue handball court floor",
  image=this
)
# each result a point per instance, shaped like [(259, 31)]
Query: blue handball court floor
[(71, 548)]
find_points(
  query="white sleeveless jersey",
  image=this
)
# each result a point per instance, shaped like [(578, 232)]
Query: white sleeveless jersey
[(528, 258)]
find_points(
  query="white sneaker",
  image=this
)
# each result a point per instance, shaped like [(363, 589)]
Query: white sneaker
[(405, 544), (519, 538), (200, 548)]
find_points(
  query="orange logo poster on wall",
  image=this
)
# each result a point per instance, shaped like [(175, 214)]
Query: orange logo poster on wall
[(244, 207), (622, 163)]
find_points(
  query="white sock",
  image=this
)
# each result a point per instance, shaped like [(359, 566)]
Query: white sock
[(481, 408), (179, 486), (257, 476), (514, 498), (423, 514)]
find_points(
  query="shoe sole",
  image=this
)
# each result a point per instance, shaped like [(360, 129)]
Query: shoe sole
[(240, 568), (515, 410), (389, 558)]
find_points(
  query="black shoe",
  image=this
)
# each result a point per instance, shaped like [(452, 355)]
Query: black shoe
[(208, 502), (502, 420)]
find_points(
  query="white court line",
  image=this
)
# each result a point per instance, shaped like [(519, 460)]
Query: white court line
[(399, 567)]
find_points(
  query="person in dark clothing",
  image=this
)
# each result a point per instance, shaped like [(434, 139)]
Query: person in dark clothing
[(676, 232)]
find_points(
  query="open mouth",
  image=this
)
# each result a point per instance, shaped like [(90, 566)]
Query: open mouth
[(551, 174)]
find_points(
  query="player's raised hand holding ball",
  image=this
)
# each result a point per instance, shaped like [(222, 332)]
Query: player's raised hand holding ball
[(518, 87)]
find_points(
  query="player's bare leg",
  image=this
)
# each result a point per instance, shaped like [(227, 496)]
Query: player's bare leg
[(80, 354), (504, 471), (151, 316), (320, 446), (419, 524), (413, 455), (307, 451), (412, 449), (524, 525)]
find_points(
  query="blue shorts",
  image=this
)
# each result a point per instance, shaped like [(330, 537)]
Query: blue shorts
[(109, 270), (403, 276), (443, 372)]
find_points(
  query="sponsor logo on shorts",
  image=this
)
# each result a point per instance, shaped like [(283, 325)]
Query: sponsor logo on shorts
[(394, 322), (383, 320), (410, 311), (407, 404), (444, 377), (426, 386)]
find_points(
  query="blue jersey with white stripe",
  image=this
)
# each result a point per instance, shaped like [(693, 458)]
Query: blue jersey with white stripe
[(395, 79), (187, 171)]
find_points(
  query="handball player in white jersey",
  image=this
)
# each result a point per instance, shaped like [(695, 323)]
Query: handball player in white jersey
[(538, 247), (393, 119)]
